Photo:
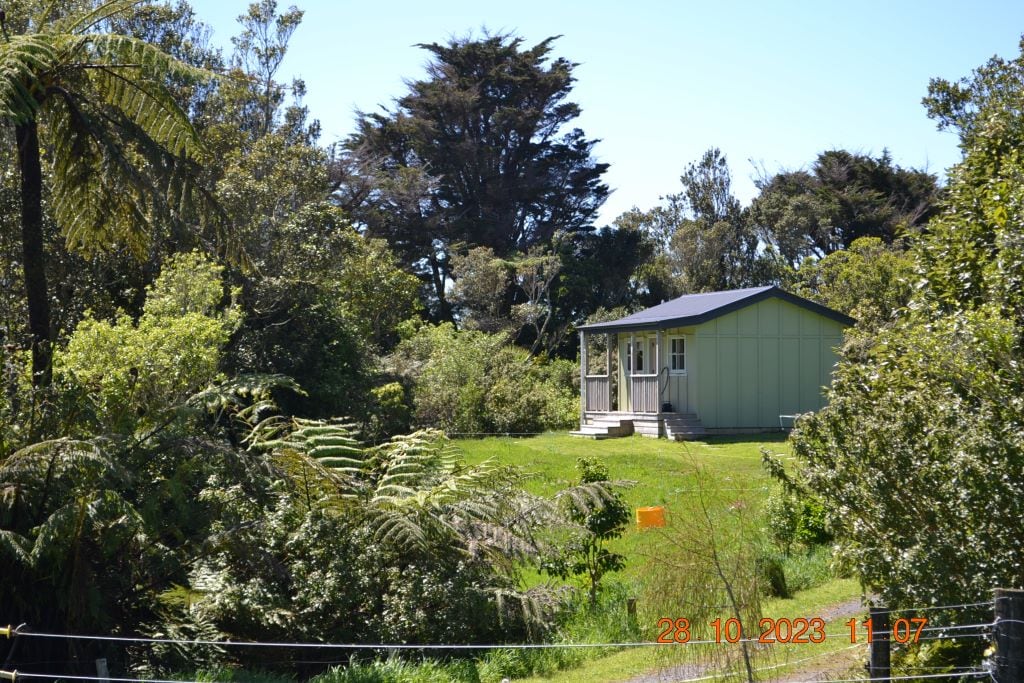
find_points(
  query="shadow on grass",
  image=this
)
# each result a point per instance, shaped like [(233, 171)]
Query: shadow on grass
[(767, 437)]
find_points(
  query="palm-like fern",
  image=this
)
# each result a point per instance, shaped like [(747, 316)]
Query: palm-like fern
[(419, 494), (124, 152)]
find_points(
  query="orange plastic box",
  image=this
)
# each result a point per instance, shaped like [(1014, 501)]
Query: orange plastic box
[(647, 518)]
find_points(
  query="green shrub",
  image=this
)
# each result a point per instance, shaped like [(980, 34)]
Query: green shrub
[(134, 372), (390, 412), (781, 517), (796, 520), (773, 575), (808, 569), (302, 332), (471, 382), (812, 525), (399, 671)]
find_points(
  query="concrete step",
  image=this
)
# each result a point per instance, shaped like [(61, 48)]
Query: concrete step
[(593, 429)]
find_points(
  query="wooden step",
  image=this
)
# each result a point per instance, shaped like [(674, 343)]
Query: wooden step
[(611, 421), (597, 436), (604, 427), (684, 427)]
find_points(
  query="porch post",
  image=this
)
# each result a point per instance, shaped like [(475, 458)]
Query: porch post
[(632, 370), (657, 352), (608, 369), (583, 376), (608, 361), (657, 367)]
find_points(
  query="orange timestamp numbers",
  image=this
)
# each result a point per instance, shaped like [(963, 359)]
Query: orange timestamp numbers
[(796, 631), (903, 630)]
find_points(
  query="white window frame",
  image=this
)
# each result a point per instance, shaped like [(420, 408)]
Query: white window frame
[(672, 354), (640, 344)]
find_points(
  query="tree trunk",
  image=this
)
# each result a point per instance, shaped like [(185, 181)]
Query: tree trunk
[(33, 257)]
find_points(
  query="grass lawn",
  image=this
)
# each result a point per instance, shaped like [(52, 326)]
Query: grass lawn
[(666, 473)]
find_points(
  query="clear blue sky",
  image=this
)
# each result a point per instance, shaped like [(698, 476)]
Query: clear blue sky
[(769, 83)]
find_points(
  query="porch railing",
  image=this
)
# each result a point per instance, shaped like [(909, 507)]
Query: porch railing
[(644, 393), (598, 393)]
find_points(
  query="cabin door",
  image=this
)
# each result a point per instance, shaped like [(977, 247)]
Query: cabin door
[(677, 387)]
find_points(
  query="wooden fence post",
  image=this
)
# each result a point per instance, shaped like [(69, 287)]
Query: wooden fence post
[(1008, 634), (879, 668), (102, 673)]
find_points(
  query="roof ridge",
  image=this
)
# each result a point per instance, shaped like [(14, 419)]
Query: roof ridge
[(727, 291), (685, 310)]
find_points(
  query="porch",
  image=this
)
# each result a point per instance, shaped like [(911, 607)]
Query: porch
[(636, 381), (612, 424)]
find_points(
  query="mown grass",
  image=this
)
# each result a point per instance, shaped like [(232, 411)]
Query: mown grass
[(665, 472)]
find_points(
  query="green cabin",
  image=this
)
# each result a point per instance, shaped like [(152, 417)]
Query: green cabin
[(743, 360)]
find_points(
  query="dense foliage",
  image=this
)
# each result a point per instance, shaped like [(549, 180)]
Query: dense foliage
[(919, 456), (470, 382), (194, 285), (841, 198)]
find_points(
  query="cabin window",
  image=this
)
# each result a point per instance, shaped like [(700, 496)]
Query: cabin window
[(639, 367), (677, 355)]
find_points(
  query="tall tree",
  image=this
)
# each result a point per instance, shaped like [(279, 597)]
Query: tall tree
[(982, 104), (476, 154), (704, 232), (259, 50), (870, 280), (121, 146), (844, 196)]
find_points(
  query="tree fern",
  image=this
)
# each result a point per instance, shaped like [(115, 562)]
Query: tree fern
[(124, 151), (22, 60)]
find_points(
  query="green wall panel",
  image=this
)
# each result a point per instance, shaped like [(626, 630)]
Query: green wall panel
[(789, 375), (728, 380), (768, 380), (768, 318), (762, 361), (747, 385), (747, 321)]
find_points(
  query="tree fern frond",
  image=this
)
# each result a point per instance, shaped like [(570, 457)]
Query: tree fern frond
[(151, 106), (243, 390), (99, 514), (398, 529), (98, 193), (88, 20), (327, 444), (56, 459), (15, 547), (587, 498), (22, 59), (318, 483)]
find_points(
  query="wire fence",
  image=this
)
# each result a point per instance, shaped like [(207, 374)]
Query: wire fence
[(950, 631)]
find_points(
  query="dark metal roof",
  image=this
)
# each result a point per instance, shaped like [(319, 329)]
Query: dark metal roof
[(693, 309)]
